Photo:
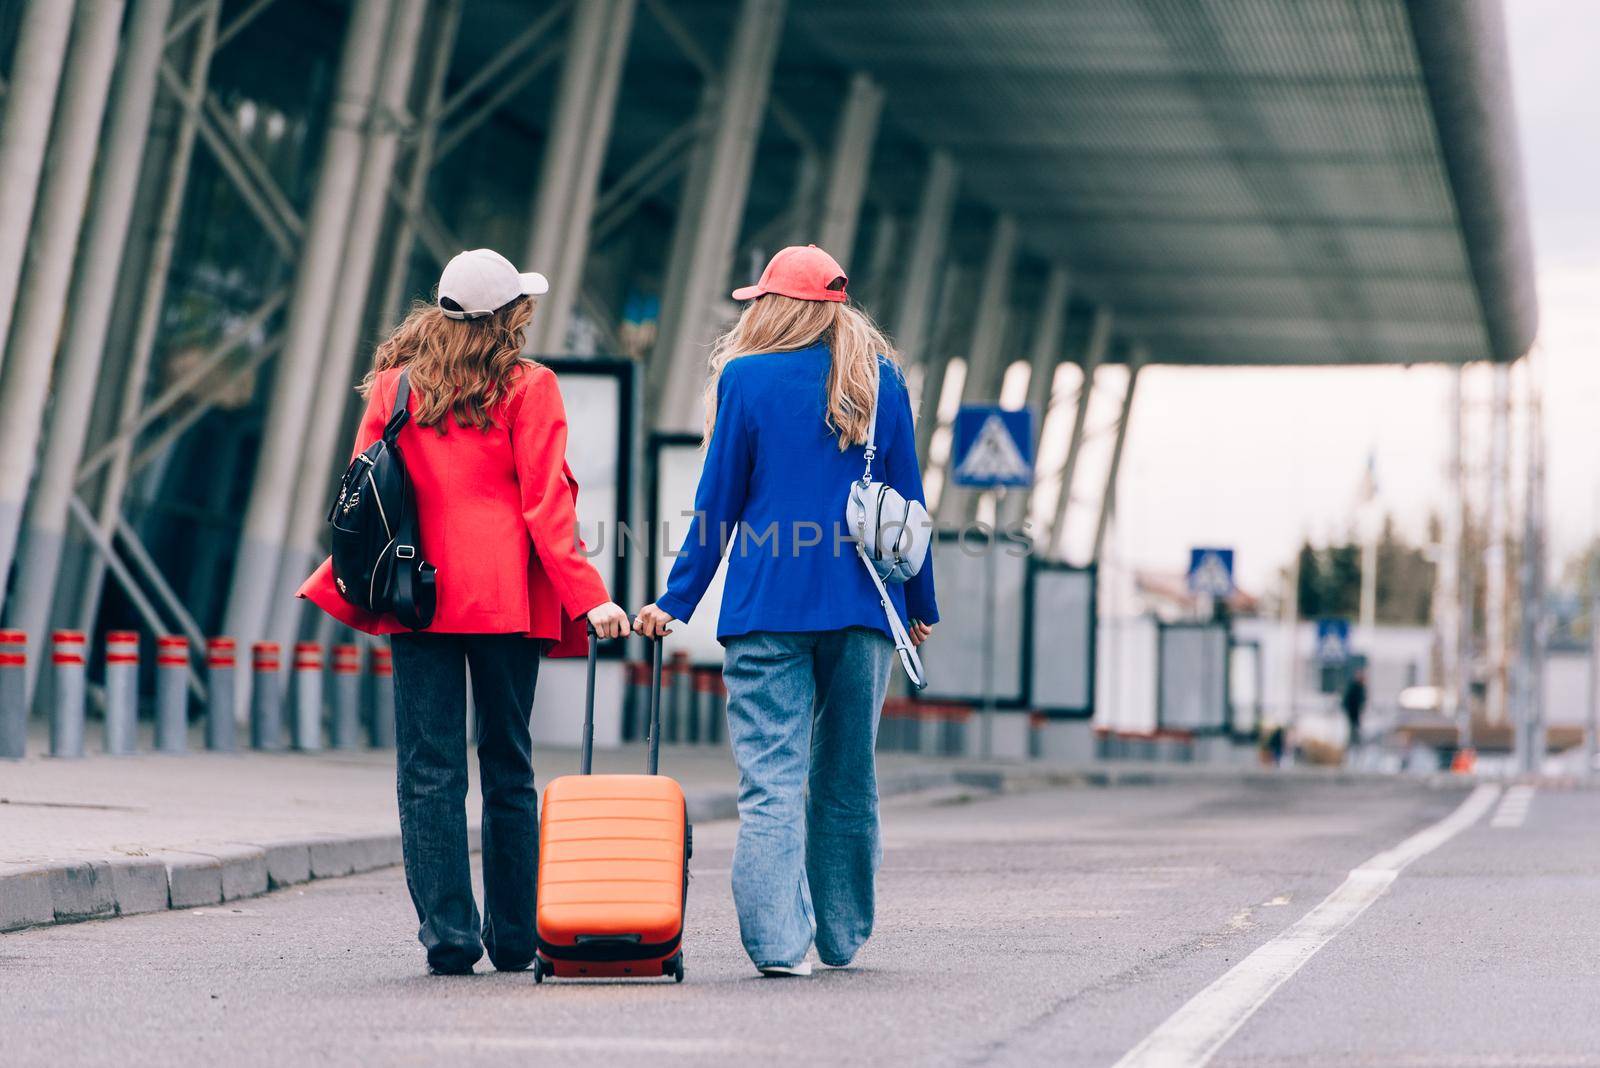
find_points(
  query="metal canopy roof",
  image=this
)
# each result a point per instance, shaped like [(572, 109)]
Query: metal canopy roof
[(1244, 181)]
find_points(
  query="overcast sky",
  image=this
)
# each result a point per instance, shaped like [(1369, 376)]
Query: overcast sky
[(1256, 459)]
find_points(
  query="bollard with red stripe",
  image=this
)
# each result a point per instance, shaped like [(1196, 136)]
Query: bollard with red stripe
[(13, 694), (960, 739), (382, 697), (705, 684), (122, 692), (680, 697), (346, 723), (266, 696), (222, 673), (719, 708), (172, 693), (891, 723), (636, 710), (307, 700), (66, 713), (930, 728)]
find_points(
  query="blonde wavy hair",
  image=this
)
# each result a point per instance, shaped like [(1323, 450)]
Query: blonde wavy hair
[(775, 323), (459, 367)]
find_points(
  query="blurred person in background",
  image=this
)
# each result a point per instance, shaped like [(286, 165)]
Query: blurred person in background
[(1354, 702)]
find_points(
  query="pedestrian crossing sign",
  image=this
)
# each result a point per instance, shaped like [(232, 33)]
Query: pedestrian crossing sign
[(1333, 641), (993, 446), (1211, 572)]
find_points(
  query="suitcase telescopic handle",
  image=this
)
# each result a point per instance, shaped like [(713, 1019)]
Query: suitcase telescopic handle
[(655, 705), (587, 758)]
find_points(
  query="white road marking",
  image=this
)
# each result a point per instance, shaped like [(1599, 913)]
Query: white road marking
[(1193, 1035), (1513, 810)]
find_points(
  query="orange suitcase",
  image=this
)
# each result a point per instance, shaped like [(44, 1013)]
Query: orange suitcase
[(613, 864)]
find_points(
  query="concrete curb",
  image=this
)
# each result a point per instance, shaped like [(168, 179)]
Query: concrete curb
[(87, 888)]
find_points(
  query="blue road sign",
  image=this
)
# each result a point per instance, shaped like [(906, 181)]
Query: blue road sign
[(1333, 640), (993, 447), (1211, 572)]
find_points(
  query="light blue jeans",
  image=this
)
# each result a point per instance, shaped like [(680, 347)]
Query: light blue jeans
[(803, 721)]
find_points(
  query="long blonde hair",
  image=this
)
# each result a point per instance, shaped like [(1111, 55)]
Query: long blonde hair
[(775, 323), (458, 366)]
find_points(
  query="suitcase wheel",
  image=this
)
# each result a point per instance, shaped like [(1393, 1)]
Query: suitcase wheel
[(688, 841), (538, 970), (674, 967)]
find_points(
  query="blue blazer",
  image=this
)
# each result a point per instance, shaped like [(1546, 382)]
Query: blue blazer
[(773, 491)]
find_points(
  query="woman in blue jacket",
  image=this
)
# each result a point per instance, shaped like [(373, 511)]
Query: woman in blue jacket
[(808, 645)]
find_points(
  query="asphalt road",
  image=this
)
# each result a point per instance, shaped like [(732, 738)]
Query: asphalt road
[(1059, 927)]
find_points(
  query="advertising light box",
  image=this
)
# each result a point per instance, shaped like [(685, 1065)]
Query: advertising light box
[(677, 464)]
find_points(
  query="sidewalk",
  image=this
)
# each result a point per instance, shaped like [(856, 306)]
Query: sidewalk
[(106, 836)]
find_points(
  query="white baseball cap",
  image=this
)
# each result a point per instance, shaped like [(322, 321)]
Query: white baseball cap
[(479, 283)]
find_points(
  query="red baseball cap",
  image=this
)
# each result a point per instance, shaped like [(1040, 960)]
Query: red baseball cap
[(803, 272)]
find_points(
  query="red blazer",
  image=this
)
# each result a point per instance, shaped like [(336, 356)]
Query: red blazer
[(498, 518)]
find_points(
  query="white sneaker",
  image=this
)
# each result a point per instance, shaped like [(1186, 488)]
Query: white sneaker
[(775, 970)]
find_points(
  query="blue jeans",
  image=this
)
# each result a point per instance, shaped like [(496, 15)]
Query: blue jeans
[(430, 698), (803, 721)]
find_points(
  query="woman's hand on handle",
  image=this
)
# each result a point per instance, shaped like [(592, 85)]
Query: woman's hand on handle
[(920, 632), (609, 620), (652, 622)]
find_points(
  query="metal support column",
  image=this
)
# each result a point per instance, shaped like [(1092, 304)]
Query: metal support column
[(1108, 501), (1529, 736), (984, 362), (337, 371), (685, 232), (1288, 631), (678, 364), (148, 321), (1591, 733), (1044, 354), (78, 371), (881, 292), (78, 562), (848, 168), (580, 131), (567, 282), (443, 33), (644, 178), (1448, 613), (42, 303), (1540, 550), (24, 134), (802, 228), (1494, 555), (1093, 355), (935, 361), (914, 318), (297, 377)]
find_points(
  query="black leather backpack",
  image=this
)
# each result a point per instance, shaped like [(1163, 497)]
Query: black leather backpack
[(377, 561)]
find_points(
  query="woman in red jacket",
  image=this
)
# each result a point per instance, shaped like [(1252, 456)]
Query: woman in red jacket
[(485, 448)]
